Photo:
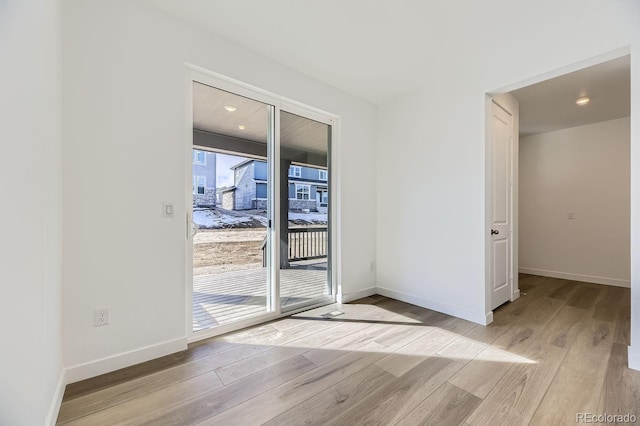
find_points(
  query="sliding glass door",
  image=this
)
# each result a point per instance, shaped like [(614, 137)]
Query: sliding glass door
[(231, 208), (304, 210), (260, 209)]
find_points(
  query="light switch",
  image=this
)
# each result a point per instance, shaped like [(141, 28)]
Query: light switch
[(167, 210)]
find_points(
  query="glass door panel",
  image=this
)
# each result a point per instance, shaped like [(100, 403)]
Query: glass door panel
[(231, 207), (305, 260)]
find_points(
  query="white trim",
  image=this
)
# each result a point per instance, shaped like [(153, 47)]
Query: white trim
[(238, 87), (56, 401), (293, 170), (350, 297), (488, 318), (195, 157), (576, 277), (322, 184), (326, 175), (303, 185), (124, 359), (634, 359), (576, 66), (188, 240), (477, 317)]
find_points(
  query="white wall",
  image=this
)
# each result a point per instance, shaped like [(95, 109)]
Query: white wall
[(124, 127), (31, 213), (431, 163), (586, 171)]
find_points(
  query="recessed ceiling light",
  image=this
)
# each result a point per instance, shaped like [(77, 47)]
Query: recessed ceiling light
[(582, 101), (241, 126), (230, 108)]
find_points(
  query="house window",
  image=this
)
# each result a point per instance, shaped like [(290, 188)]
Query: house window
[(199, 157), (295, 171), (323, 175), (199, 183), (302, 192)]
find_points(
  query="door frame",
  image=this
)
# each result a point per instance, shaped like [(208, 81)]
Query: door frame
[(196, 73)]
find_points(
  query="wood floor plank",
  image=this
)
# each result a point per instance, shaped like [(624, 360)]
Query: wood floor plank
[(286, 396), (283, 351), (517, 394), (326, 405), (396, 399), (219, 400), (577, 386), (621, 385), (449, 405), (623, 324), (196, 351), (564, 327), (519, 336), (414, 353), (610, 304), (102, 399), (132, 411), (564, 289), (585, 297), (481, 375)]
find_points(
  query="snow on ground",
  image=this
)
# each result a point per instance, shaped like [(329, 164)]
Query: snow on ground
[(312, 218), (206, 218), (218, 219)]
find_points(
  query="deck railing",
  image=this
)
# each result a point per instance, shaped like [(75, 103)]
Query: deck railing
[(307, 243), (304, 244)]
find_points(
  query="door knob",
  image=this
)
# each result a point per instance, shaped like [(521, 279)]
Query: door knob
[(494, 232)]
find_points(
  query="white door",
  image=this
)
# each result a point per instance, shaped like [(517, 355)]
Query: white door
[(501, 222)]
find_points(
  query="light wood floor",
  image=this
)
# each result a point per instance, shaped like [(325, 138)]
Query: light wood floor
[(558, 351), (227, 297)]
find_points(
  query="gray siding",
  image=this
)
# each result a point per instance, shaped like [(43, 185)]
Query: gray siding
[(208, 170), (245, 186)]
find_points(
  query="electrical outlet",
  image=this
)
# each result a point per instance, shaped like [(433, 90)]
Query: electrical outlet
[(100, 317)]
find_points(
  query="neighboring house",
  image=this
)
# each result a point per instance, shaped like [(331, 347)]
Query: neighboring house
[(204, 178), (308, 188)]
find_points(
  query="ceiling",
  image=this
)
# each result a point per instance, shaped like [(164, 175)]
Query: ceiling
[(551, 105), (379, 51), (209, 114)]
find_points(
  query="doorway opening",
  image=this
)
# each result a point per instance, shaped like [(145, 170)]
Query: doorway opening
[(260, 209), (571, 177)]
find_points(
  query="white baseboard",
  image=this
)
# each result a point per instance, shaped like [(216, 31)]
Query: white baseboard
[(516, 295), (56, 401), (350, 297), (122, 360), (488, 318), (478, 318), (576, 277), (634, 359)]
